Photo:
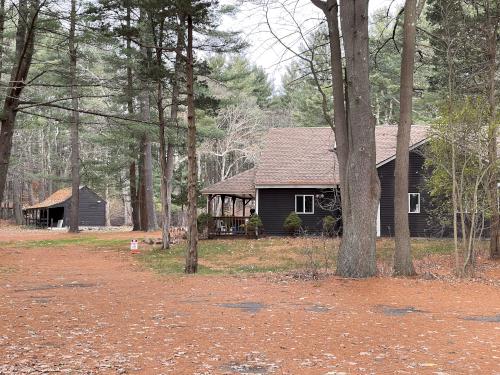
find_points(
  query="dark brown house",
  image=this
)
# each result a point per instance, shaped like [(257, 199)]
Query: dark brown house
[(54, 211), (298, 172)]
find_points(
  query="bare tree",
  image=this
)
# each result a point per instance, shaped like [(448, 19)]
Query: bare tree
[(354, 127), (492, 24)]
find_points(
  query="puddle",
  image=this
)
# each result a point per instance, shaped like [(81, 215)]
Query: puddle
[(488, 319), (318, 308), (249, 307), (246, 369), (398, 311), (48, 287)]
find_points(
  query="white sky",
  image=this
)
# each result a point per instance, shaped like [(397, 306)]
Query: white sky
[(264, 49)]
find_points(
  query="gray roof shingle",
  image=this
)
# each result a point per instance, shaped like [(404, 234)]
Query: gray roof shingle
[(306, 157)]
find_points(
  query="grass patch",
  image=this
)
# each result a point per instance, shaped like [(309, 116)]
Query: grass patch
[(65, 242), (236, 256), (239, 256)]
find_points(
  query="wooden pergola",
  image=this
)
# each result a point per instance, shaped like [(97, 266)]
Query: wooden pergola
[(239, 187)]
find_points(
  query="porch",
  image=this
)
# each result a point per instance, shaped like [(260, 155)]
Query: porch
[(44, 217), (230, 204), (229, 213)]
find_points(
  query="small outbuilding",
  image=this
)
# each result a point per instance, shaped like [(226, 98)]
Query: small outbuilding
[(55, 210)]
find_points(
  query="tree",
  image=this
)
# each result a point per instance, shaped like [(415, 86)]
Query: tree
[(192, 250), (28, 12), (492, 14), (354, 128), (75, 123), (403, 264)]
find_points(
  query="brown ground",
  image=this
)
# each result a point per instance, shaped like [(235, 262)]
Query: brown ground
[(80, 311)]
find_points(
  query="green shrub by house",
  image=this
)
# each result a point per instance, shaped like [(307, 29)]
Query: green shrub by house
[(328, 225), (292, 223)]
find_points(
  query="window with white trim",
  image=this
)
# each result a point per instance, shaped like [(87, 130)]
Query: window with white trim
[(413, 203), (304, 204)]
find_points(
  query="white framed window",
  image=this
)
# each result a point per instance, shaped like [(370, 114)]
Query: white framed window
[(413, 203), (304, 204)]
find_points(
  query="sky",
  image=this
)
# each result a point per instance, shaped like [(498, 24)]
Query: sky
[(286, 18)]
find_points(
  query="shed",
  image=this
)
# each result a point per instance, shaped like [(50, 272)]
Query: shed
[(55, 210)]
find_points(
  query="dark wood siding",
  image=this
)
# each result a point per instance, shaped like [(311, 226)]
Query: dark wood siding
[(276, 204), (418, 222), (92, 209)]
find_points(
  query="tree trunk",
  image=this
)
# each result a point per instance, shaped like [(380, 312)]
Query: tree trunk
[(493, 21), (134, 199), (354, 135), (167, 152), (2, 29), (18, 211), (357, 251), (75, 122), (192, 250), (403, 264), (152, 223), (25, 39), (108, 213), (143, 212)]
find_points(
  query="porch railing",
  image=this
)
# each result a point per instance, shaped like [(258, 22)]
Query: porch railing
[(228, 225)]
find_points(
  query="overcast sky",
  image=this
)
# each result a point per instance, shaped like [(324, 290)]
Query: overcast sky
[(264, 49)]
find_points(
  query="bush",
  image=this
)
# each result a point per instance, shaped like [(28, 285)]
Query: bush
[(329, 225), (204, 221), (292, 223), (253, 225)]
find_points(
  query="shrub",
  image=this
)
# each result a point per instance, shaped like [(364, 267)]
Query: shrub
[(204, 221), (254, 222), (292, 223), (253, 225), (329, 225)]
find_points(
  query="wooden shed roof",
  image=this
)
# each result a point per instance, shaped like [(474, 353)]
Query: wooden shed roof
[(56, 198)]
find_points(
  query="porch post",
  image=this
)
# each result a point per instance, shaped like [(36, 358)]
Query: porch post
[(223, 198), (244, 206), (234, 201), (209, 204)]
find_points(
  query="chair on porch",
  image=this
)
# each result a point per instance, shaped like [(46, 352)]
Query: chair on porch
[(220, 226)]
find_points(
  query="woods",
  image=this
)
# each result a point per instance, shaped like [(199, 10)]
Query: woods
[(149, 102)]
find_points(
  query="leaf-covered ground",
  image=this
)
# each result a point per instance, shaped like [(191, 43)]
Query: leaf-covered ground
[(83, 304)]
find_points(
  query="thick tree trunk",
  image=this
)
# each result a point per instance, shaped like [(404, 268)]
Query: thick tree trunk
[(354, 135), (25, 39), (75, 123), (493, 16), (357, 251), (192, 250), (403, 264)]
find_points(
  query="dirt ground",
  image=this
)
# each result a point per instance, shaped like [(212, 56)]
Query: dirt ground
[(80, 311)]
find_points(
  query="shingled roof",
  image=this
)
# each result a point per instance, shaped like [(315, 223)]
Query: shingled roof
[(298, 156), (241, 184), (306, 157)]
